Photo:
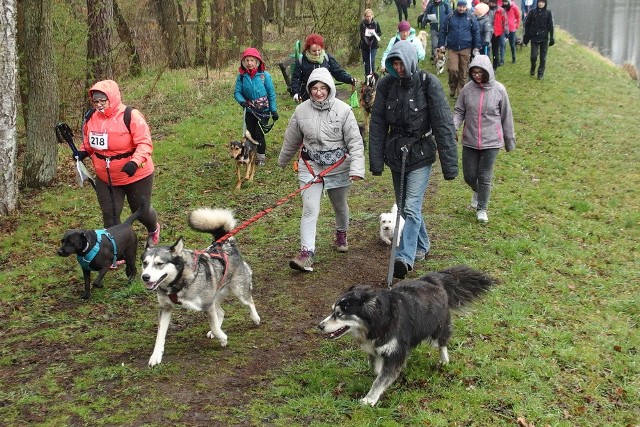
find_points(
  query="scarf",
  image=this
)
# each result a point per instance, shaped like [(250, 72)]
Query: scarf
[(318, 59)]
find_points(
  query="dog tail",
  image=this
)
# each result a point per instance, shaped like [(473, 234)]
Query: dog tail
[(142, 209), (463, 284), (218, 222)]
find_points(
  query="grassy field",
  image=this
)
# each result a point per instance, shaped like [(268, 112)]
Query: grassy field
[(556, 343)]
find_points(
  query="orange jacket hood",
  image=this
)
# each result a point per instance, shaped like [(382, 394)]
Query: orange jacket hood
[(111, 89)]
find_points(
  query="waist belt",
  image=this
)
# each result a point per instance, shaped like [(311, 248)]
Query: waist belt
[(116, 157)]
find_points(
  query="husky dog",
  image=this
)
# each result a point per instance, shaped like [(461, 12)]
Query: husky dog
[(440, 60), (101, 250), (389, 323), (388, 224), (198, 280), (367, 97)]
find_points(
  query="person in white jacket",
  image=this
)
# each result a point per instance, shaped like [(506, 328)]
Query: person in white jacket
[(324, 130), (405, 32)]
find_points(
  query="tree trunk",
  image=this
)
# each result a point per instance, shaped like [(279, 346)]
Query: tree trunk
[(222, 41), (355, 55), (257, 15), (8, 108), (201, 34), (173, 41), (135, 67), (270, 14), (41, 153), (290, 10), (100, 23)]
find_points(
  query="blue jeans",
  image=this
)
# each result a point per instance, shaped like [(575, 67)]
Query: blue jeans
[(414, 235), (512, 45)]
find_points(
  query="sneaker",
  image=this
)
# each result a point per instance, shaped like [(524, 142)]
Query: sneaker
[(155, 235), (400, 269), (303, 262), (482, 215), (420, 256), (474, 200), (117, 264), (341, 241), (261, 160)]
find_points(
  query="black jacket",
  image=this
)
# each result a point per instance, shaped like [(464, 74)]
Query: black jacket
[(304, 67), (367, 43), (538, 27)]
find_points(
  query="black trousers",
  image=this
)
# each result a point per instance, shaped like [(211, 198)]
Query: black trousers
[(543, 48), (253, 126)]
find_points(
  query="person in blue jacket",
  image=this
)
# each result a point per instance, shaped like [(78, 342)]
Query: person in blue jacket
[(460, 34), (255, 92), (439, 10)]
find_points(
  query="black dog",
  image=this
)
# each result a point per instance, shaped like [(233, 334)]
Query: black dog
[(96, 252)]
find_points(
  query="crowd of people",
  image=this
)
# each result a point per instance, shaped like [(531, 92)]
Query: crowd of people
[(411, 126)]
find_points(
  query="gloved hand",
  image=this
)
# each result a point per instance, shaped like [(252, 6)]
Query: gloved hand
[(552, 42), (243, 104), (81, 155), (130, 168), (296, 98), (274, 115), (442, 48), (475, 52)]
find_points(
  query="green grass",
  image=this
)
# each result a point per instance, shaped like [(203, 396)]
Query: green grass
[(556, 343)]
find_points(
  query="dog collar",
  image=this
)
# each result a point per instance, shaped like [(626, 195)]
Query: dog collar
[(85, 260)]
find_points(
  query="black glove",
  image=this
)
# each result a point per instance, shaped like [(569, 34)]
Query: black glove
[(130, 168), (552, 42), (243, 104), (81, 155), (274, 115)]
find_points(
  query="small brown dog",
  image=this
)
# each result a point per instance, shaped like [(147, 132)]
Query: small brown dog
[(244, 153), (440, 60), (367, 96)]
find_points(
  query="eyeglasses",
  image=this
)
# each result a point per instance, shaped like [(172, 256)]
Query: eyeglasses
[(320, 89), (100, 101), (476, 73)]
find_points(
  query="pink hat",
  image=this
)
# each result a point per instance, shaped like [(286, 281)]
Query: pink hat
[(404, 26), (481, 9)]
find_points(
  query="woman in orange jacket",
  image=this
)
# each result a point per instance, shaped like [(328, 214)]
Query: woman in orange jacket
[(118, 141)]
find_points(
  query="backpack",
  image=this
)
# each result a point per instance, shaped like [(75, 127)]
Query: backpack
[(126, 118)]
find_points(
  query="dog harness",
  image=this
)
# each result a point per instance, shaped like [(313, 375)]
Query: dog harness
[(86, 259), (212, 253)]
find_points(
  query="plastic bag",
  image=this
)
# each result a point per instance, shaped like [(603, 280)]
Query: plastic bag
[(354, 102)]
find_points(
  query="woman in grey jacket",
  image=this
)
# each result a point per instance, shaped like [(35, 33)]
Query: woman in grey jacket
[(483, 106), (325, 132)]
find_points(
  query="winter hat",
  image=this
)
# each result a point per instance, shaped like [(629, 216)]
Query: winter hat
[(481, 9), (462, 2), (404, 26)]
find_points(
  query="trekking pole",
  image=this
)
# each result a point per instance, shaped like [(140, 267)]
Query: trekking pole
[(394, 242)]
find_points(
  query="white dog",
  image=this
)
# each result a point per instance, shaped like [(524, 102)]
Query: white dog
[(388, 223), (422, 36)]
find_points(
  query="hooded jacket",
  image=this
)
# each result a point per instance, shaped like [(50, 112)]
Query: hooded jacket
[(119, 141), (513, 16), (485, 111), (538, 27), (411, 38), (460, 31), (440, 10), (260, 85), (404, 111), (322, 127), (303, 68)]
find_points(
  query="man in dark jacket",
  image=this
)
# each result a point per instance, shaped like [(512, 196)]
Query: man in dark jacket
[(435, 13), (409, 111), (538, 29), (460, 34)]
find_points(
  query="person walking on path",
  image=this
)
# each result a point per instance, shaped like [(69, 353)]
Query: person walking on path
[(314, 56), (438, 9), (484, 109), (324, 130), (405, 32), (500, 28), (460, 34), (481, 11), (513, 23), (411, 121), (254, 91), (118, 141), (538, 29), (369, 41)]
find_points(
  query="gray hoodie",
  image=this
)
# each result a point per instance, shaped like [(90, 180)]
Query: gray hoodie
[(319, 127), (485, 110)]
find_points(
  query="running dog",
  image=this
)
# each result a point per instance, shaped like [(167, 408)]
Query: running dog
[(422, 36), (198, 280), (440, 60), (389, 323), (244, 153), (388, 224), (100, 250), (367, 97)]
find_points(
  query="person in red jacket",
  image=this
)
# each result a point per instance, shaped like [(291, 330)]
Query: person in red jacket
[(513, 21), (121, 157), (500, 29)]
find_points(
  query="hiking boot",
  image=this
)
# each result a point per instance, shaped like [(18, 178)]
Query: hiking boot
[(303, 262), (261, 160), (532, 71), (482, 215), (341, 241), (155, 235), (420, 256), (474, 200), (400, 269)]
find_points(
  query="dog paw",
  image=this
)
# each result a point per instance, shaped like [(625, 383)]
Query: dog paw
[(368, 402), (86, 295), (222, 338), (155, 360)]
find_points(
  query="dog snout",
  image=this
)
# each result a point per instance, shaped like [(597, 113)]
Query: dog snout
[(145, 277)]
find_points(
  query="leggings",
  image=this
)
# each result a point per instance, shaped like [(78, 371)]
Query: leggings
[(311, 198), (477, 167), (133, 192)]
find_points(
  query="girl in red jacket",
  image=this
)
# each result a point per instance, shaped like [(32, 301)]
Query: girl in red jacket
[(121, 156)]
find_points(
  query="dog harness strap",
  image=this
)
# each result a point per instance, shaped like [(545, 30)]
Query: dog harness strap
[(86, 259), (212, 253)]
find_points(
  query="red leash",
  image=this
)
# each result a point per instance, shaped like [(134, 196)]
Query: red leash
[(316, 179)]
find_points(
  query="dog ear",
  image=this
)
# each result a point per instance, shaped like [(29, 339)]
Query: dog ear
[(178, 246)]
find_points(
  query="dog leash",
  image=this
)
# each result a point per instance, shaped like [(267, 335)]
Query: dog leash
[(316, 179), (396, 229)]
